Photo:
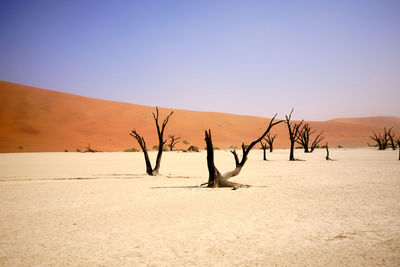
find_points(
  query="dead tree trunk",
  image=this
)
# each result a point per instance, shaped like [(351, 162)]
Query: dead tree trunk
[(173, 141), (294, 129), (392, 138), (216, 179), (385, 139), (398, 145), (161, 143), (264, 148), (270, 140), (327, 152), (142, 144)]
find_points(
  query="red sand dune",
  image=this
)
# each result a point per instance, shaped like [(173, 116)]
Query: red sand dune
[(39, 120)]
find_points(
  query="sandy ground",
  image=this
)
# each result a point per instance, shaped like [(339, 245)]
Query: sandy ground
[(99, 209)]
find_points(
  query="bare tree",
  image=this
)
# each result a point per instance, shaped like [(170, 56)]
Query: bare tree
[(392, 138), (304, 138), (294, 130), (161, 143), (270, 140), (386, 137), (173, 141), (382, 140), (378, 139), (89, 149), (216, 179), (264, 148)]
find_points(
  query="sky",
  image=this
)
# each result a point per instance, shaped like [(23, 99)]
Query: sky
[(326, 59)]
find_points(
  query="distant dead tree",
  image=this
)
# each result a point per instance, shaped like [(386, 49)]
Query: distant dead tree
[(378, 139), (264, 148), (161, 142), (173, 140), (392, 138), (387, 134), (89, 149), (304, 138), (270, 140), (294, 130), (216, 179), (382, 140), (327, 152), (398, 145)]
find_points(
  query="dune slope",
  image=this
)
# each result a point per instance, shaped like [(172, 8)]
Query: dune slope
[(39, 120)]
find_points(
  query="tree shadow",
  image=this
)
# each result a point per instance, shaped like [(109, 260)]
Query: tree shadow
[(175, 187), (203, 187)]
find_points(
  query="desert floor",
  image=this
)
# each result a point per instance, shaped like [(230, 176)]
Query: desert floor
[(99, 209)]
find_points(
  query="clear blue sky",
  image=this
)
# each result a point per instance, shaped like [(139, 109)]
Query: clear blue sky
[(326, 59)]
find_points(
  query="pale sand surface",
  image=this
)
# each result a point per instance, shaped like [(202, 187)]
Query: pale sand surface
[(307, 213)]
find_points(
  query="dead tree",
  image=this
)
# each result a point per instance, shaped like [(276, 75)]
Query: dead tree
[(216, 179), (327, 152), (173, 141), (270, 140), (382, 140), (398, 145), (161, 143), (316, 141), (378, 139), (89, 149), (294, 130), (386, 137), (264, 148), (392, 138), (304, 138)]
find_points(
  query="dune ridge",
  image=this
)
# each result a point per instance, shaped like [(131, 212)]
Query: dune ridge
[(41, 120)]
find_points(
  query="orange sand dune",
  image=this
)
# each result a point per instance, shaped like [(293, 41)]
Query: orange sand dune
[(38, 120)]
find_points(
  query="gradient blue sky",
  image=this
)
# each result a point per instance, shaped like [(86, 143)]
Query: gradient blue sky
[(326, 59)]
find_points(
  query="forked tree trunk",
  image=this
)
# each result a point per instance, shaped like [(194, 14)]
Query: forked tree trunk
[(142, 144), (294, 133), (215, 178), (161, 143), (264, 148), (306, 149), (270, 140), (391, 138), (173, 141)]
